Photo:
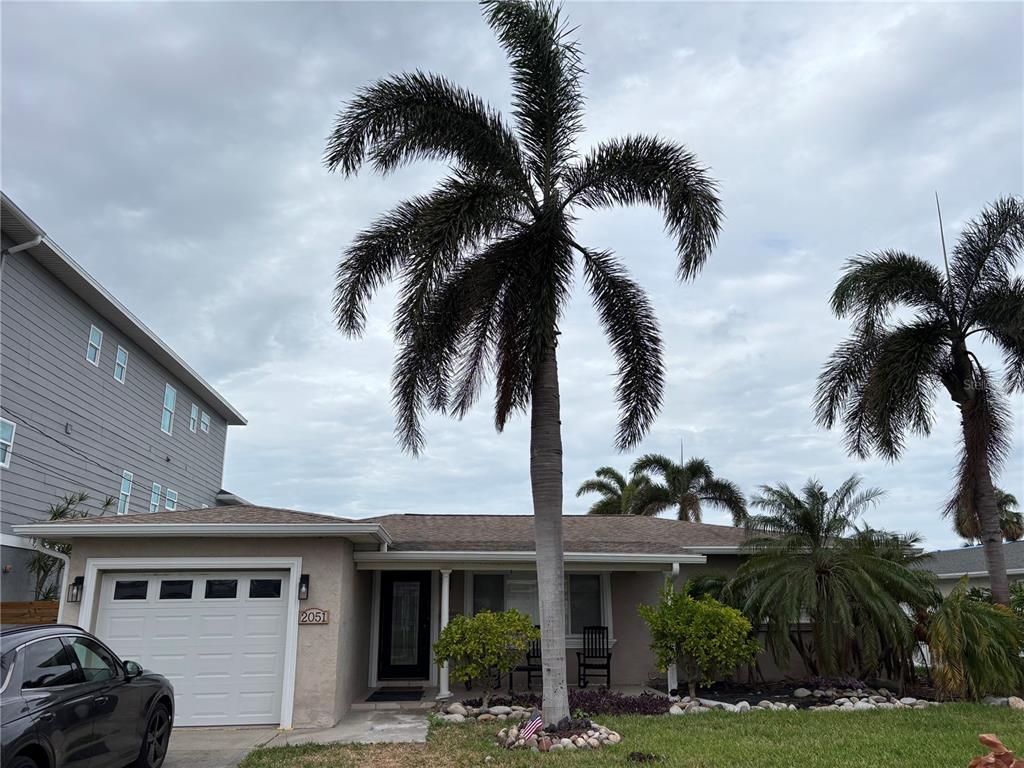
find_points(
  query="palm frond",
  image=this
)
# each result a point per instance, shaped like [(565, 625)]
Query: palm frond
[(874, 284), (632, 331), (998, 312), (988, 249)]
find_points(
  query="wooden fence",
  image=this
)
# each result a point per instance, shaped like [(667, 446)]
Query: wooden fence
[(36, 612)]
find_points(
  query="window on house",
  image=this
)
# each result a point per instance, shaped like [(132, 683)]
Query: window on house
[(126, 492), (204, 423), (193, 418), (6, 442), (176, 589), (121, 364), (167, 420), (583, 597), (172, 500), (264, 588), (488, 592), (92, 352), (154, 498), (219, 589), (131, 590)]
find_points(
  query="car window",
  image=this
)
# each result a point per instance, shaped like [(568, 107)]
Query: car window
[(6, 662), (48, 664), (96, 662)]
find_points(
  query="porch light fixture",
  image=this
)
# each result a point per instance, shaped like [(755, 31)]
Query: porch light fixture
[(304, 586), (75, 590)]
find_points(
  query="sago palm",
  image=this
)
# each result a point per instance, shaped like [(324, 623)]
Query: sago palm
[(913, 326), (618, 495), (1011, 522), (486, 262), (809, 563), (687, 488)]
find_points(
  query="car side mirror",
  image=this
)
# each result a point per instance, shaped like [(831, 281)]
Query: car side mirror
[(132, 669)]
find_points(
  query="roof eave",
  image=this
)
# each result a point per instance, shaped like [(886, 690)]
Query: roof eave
[(366, 560), (59, 531)]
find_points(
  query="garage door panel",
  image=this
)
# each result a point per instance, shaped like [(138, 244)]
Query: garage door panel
[(224, 656)]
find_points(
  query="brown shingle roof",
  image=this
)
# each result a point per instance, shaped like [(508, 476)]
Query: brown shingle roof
[(232, 514), (582, 533)]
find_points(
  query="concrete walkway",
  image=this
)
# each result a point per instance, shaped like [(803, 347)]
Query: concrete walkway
[(227, 747)]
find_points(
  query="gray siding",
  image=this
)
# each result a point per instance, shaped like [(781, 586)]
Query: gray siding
[(77, 427)]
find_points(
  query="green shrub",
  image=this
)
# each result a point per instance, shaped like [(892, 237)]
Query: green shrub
[(484, 646), (975, 646), (703, 638)]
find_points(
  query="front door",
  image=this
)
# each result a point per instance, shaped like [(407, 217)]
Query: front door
[(404, 652)]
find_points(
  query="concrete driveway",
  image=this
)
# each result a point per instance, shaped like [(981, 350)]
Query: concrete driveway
[(227, 747)]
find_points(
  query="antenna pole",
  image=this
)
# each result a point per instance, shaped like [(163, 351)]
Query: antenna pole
[(942, 237)]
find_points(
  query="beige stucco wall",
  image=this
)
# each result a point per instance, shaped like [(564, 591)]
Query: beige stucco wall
[(324, 687)]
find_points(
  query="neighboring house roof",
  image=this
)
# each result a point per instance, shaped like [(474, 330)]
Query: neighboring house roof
[(422, 533), (954, 563), (21, 228)]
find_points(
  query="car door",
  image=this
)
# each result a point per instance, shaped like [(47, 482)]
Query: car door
[(52, 692), (117, 716)]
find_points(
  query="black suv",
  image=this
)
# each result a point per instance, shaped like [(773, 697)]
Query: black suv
[(67, 701)]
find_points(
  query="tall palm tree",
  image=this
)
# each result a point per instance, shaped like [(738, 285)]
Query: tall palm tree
[(1011, 522), (808, 562), (881, 382), (618, 495), (486, 261), (687, 487)]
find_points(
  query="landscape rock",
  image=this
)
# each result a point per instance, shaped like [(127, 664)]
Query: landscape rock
[(501, 710), (675, 709), (908, 701), (454, 717), (801, 693), (1015, 702), (455, 708)]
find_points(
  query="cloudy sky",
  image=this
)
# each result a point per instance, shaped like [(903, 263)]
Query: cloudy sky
[(174, 150)]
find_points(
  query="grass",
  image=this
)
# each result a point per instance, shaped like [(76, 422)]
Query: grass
[(941, 737)]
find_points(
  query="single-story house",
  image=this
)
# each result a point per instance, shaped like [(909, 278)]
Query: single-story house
[(272, 616), (951, 565)]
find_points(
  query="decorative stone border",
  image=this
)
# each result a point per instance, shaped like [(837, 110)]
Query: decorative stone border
[(457, 712), (847, 700), (594, 737)]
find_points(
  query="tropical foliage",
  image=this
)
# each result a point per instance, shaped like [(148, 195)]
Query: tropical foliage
[(485, 646), (687, 488), (975, 646), (704, 638), (45, 569), (486, 261), (912, 325), (618, 495), (810, 565), (1011, 522)]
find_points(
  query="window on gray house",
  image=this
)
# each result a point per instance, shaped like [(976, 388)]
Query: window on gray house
[(121, 364), (488, 592), (204, 423), (193, 418), (172, 500), (92, 352), (584, 601), (167, 419), (6, 442), (154, 498), (126, 492)]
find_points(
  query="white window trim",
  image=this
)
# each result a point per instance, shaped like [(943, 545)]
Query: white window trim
[(154, 498), (193, 418), (204, 422), (10, 445), (89, 346), (571, 641), (130, 477), (167, 499), (124, 371), (94, 567), (164, 409)]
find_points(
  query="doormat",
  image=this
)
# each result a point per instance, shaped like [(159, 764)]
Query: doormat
[(396, 694)]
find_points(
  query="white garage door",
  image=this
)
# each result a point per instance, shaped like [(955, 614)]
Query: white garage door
[(218, 636)]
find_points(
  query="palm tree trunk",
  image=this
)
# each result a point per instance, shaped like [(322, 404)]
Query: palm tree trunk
[(546, 484)]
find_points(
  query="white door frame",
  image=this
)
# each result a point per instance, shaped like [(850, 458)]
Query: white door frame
[(94, 567)]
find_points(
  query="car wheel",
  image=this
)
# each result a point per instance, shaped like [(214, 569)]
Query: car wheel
[(155, 739), (24, 761)]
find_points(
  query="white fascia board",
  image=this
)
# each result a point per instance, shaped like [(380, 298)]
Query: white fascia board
[(723, 550), (373, 560), (232, 530), (978, 574), (18, 542)]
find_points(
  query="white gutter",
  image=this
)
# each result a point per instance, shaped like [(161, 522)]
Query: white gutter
[(508, 556), (22, 246), (165, 530), (977, 574)]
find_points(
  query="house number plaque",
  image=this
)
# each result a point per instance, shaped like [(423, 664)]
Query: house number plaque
[(314, 616)]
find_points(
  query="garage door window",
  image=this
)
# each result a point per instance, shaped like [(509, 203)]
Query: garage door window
[(48, 664), (265, 588), (130, 590), (221, 588), (176, 589), (97, 665)]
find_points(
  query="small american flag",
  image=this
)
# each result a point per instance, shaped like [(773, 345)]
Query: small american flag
[(532, 726)]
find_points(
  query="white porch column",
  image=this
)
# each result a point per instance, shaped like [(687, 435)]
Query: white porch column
[(442, 685), (673, 673)]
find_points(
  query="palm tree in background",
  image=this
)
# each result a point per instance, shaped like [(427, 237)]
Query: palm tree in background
[(486, 261), (687, 487), (1011, 522), (808, 562), (618, 495), (882, 381)]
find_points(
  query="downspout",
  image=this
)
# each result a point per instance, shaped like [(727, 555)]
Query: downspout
[(673, 672), (18, 249), (38, 546)]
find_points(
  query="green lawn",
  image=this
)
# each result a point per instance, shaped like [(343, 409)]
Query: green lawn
[(941, 737)]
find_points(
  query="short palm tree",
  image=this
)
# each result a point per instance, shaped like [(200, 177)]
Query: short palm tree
[(1011, 522), (618, 495), (882, 381), (687, 488), (808, 563), (486, 261)]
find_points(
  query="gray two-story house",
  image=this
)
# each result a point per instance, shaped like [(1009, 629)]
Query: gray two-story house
[(91, 401)]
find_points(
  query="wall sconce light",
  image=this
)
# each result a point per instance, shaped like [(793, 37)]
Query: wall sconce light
[(304, 586), (75, 590)]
